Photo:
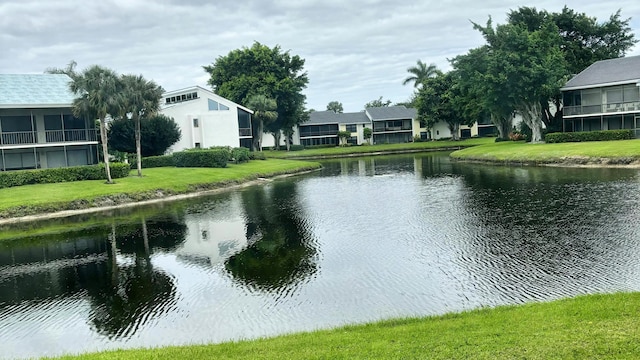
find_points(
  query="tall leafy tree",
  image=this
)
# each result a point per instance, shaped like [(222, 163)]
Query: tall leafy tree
[(264, 113), (479, 96), (440, 100), (141, 99), (157, 134), (335, 106), (524, 68), (260, 70), (98, 93), (420, 73), (584, 41)]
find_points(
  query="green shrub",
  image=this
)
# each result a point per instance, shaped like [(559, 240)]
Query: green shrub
[(296, 147), (255, 155), (118, 170), (156, 161), (605, 135), (240, 154), (217, 158), (67, 174)]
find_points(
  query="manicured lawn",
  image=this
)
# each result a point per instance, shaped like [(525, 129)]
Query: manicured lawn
[(175, 180), (509, 151), (338, 151), (589, 327)]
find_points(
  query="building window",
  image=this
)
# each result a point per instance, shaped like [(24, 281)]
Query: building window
[(195, 123), (197, 145), (352, 128)]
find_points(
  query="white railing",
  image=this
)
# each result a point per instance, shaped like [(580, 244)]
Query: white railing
[(18, 137), (70, 135)]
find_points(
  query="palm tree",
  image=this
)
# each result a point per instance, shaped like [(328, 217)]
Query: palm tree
[(420, 73), (97, 91), (263, 113), (141, 99)]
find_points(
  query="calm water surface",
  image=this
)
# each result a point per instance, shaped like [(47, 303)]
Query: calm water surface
[(364, 239)]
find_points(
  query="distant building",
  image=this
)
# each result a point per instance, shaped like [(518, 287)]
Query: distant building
[(604, 96), (207, 119), (389, 125), (37, 127)]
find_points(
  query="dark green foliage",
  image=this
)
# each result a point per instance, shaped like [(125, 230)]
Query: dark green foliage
[(605, 135), (215, 158), (157, 134), (254, 155), (267, 71), (56, 175), (296, 147), (157, 161), (377, 103), (240, 154)]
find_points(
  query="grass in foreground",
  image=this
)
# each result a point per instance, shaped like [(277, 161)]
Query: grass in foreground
[(348, 150), (509, 151), (589, 327), (176, 180)]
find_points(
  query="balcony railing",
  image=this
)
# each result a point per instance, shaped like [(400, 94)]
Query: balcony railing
[(70, 135), (51, 136), (19, 137), (604, 108)]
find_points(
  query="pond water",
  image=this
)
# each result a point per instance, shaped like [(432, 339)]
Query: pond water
[(363, 239)]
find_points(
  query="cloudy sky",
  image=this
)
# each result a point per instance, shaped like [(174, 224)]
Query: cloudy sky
[(355, 50)]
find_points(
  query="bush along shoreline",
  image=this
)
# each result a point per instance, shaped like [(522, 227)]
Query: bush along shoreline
[(162, 183)]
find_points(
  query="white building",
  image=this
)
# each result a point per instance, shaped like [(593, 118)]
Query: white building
[(207, 119)]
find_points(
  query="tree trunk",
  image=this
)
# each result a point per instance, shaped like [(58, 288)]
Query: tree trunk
[(276, 139), (503, 124), (138, 151), (105, 150), (454, 128), (532, 116), (260, 128)]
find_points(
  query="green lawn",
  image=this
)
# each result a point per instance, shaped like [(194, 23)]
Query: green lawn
[(172, 180), (364, 149), (508, 151), (589, 327)]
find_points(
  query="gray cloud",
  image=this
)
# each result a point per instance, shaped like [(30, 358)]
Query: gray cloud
[(355, 51)]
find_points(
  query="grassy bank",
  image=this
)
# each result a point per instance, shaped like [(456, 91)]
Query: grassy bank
[(596, 152), (370, 149), (156, 183), (589, 327)]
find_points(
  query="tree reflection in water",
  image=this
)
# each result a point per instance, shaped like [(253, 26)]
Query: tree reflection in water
[(280, 254), (132, 294)]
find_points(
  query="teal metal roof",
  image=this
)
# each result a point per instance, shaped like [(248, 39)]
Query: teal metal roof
[(34, 90)]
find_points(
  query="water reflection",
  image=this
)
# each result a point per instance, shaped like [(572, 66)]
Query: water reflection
[(280, 252), (111, 264), (365, 239)]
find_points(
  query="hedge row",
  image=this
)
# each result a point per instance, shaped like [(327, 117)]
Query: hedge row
[(56, 175), (155, 161), (217, 158), (605, 135), (213, 157)]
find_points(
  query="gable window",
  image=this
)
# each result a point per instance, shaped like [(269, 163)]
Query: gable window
[(215, 106), (196, 123)]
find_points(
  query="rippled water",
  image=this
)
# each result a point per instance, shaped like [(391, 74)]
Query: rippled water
[(364, 239)]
